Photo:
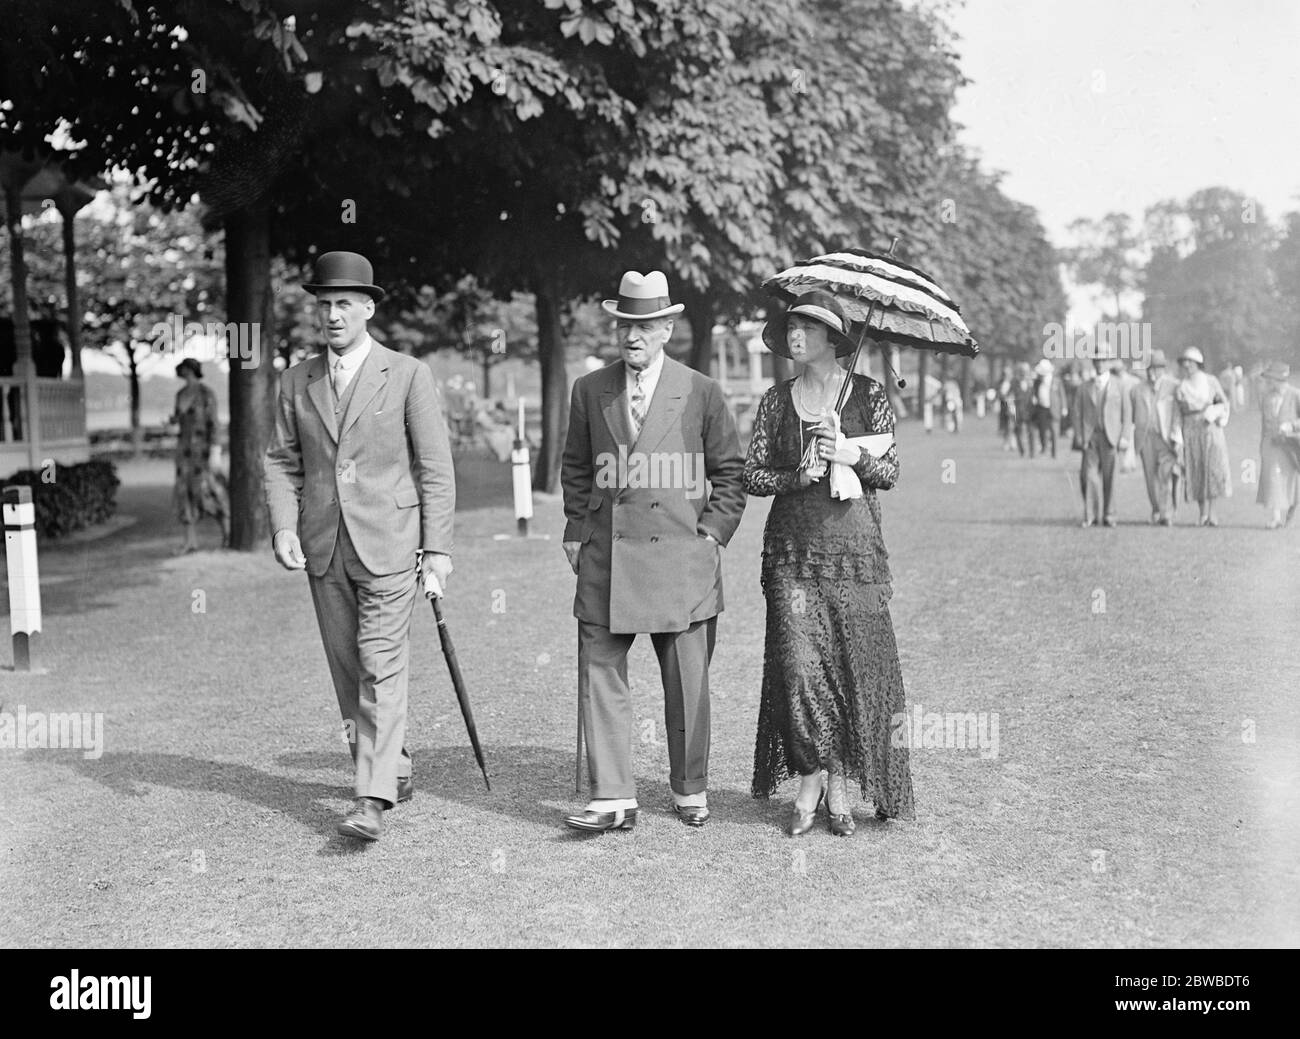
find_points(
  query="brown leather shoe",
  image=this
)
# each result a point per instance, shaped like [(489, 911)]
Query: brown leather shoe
[(365, 821)]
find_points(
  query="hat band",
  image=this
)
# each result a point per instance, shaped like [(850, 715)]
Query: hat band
[(630, 305), (821, 314)]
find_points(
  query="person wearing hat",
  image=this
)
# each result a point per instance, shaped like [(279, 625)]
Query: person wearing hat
[(1103, 428), (360, 488), (644, 535), (1279, 446), (1158, 435), (1203, 409), (1046, 407), (832, 683), (1022, 397), (199, 489)]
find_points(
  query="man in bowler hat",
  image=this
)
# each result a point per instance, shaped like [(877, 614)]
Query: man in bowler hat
[(361, 492), (645, 535)]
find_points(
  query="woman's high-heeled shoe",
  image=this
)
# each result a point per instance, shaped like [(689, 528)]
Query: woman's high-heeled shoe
[(802, 822), (840, 824)]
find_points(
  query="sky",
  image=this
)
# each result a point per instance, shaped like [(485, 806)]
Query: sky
[(1092, 106)]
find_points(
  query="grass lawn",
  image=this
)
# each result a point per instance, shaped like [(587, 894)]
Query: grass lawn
[(1144, 791)]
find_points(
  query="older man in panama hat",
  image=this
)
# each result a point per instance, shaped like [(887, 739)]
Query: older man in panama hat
[(1158, 435), (361, 491), (1103, 429), (652, 492)]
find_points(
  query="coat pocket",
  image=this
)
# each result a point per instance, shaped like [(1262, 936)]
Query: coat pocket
[(406, 498)]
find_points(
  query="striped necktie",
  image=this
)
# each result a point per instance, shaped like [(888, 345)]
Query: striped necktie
[(638, 405)]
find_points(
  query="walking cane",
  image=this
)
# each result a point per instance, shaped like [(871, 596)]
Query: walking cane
[(582, 696)]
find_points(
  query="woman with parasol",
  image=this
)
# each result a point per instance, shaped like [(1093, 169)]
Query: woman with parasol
[(832, 685)]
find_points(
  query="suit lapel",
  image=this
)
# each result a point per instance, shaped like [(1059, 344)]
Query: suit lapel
[(613, 402), (370, 380), (321, 394), (665, 405)]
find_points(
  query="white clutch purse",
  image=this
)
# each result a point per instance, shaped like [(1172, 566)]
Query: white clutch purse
[(845, 484)]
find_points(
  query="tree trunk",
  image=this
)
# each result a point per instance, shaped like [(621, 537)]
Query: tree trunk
[(923, 369), (18, 279), (965, 381), (67, 210), (555, 384), (133, 381), (701, 312), (487, 376), (252, 400)]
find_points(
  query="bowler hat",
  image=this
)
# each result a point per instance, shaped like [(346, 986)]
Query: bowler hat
[(642, 297), (344, 271), (1277, 370), (818, 305)]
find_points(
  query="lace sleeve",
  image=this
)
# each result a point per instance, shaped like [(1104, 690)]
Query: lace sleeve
[(880, 473), (761, 477)]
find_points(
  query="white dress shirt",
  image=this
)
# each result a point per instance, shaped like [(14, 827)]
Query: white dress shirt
[(348, 363)]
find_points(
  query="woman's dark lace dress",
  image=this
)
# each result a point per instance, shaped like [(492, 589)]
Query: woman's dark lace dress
[(198, 490), (831, 678)]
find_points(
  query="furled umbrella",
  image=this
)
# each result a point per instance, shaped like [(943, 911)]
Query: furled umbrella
[(433, 594), (884, 299)]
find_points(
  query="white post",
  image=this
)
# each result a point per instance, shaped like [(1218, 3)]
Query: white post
[(521, 472), (24, 576)]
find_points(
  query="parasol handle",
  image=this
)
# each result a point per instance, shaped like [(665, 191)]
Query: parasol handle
[(853, 365)]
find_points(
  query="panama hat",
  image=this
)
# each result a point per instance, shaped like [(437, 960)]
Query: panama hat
[(1277, 370), (343, 271), (1193, 354), (818, 305), (1044, 367), (1157, 360), (642, 297)]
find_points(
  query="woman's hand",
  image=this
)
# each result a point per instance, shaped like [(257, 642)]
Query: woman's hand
[(807, 479), (827, 451)]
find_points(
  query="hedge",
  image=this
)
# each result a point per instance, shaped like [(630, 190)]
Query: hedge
[(70, 497)]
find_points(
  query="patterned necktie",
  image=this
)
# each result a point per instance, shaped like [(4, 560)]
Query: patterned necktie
[(340, 378), (638, 405)]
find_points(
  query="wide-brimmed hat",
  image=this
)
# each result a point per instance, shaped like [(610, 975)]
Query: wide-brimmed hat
[(1044, 367), (820, 306), (642, 297), (1192, 354), (190, 365), (1277, 370), (1157, 360), (344, 272)]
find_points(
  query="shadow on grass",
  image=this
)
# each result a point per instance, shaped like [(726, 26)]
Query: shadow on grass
[(125, 773), (528, 781)]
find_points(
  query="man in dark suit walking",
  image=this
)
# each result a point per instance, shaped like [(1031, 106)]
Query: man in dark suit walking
[(360, 486), (652, 493), (1103, 427)]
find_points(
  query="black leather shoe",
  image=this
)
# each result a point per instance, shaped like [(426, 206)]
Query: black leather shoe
[(365, 821), (691, 815), (840, 825), (405, 788), (599, 822)]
